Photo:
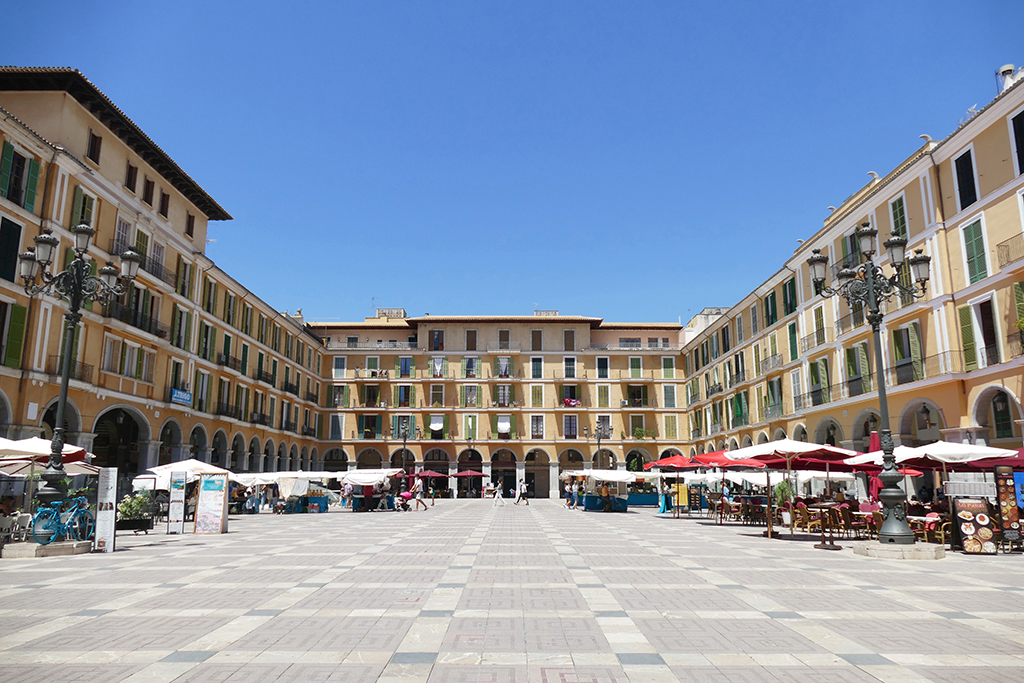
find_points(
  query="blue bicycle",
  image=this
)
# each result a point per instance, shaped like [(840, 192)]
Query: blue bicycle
[(64, 519)]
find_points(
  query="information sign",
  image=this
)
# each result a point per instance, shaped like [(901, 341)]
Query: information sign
[(974, 525), (106, 511), (176, 505), (1009, 516), (212, 505)]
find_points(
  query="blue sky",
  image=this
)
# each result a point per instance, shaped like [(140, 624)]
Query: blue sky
[(635, 161)]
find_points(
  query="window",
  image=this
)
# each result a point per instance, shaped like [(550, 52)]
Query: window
[(503, 367), (820, 388), (504, 339), (437, 394), (569, 426), (536, 396), (604, 395), (604, 426), (337, 427), (858, 373), (974, 252), (469, 427), (471, 340), (739, 329), (536, 426), (210, 296), (771, 315), (503, 395), (339, 367), (899, 217), (95, 147), (794, 352), (978, 332), (247, 320), (1002, 419), (789, 296), (470, 367), (403, 396), (629, 342), (1017, 140), (148, 187), (636, 424), (229, 308), (165, 203), (637, 395), (669, 395), (753, 319), (19, 176), (131, 176), (569, 364), (602, 367), (726, 345), (671, 427), (536, 340), (190, 225), (436, 340), (668, 367), (181, 327), (207, 340), (966, 191), (10, 240), (470, 395), (81, 208), (635, 367), (569, 340), (536, 367)]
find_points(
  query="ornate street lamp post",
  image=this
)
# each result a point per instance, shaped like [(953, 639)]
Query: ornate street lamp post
[(866, 284), (601, 431), (76, 286)]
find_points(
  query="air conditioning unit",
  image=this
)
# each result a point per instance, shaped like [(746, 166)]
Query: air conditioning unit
[(623, 403)]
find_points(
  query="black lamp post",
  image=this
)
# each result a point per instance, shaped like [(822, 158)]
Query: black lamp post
[(601, 431), (868, 285), (76, 286)]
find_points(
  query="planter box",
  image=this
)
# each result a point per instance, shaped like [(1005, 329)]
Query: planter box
[(136, 525)]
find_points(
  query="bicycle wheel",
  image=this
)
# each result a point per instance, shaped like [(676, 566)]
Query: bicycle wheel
[(45, 526), (82, 525)]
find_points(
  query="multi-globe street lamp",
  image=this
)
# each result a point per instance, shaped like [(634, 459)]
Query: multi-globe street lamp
[(78, 287), (867, 285)]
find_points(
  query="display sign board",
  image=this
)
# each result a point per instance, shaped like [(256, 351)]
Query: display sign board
[(695, 501), (212, 505), (181, 397), (682, 495), (106, 511), (176, 505), (1009, 516), (1018, 485), (974, 525)]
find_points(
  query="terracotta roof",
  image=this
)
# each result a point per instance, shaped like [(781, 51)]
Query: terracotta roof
[(71, 81), (533, 319)]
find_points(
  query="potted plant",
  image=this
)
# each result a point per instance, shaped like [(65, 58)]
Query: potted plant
[(1018, 324), (783, 494), (133, 514)]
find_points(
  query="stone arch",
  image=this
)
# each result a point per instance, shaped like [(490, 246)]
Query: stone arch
[(693, 451), (5, 414), (747, 441), (800, 433), (293, 458), (503, 469), (237, 460), (867, 420), (983, 410), (170, 441), (219, 449), (700, 449), (119, 429), (828, 431), (72, 419), (255, 457), (470, 459), (570, 459), (779, 435), (538, 473), (304, 459), (437, 459), (314, 458), (636, 458), (920, 422), (605, 459), (405, 460), (368, 458), (733, 444), (335, 460), (667, 453), (198, 441), (269, 465), (281, 461), (720, 446), (762, 437)]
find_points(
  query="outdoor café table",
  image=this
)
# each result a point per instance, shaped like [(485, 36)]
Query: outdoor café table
[(826, 518)]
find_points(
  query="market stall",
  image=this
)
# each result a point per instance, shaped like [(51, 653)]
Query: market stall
[(596, 480), (373, 489)]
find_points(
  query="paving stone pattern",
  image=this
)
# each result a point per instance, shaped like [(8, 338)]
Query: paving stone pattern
[(468, 593)]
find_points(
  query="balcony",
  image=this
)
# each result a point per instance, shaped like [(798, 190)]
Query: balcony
[(740, 420), (227, 360), (308, 431), (715, 428), (694, 398), (615, 346), (79, 371), (264, 376), (291, 388), (289, 426), (850, 321), (498, 347), (1014, 344), (313, 396), (119, 311), (228, 410), (737, 378), (851, 261), (815, 339), (949, 362), (385, 345), (1010, 250), (773, 411), (715, 388), (259, 419), (695, 434), (818, 395), (771, 362), (373, 373)]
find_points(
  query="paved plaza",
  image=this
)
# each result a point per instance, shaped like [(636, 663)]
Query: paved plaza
[(466, 593)]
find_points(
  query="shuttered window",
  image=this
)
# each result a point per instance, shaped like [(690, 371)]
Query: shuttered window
[(974, 249), (899, 217), (967, 193)]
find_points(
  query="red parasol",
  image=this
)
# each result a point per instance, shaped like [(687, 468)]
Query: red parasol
[(468, 473), (673, 461), (427, 473), (720, 459)]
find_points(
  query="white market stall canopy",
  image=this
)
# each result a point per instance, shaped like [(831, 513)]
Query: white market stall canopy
[(162, 474), (369, 477), (622, 476)]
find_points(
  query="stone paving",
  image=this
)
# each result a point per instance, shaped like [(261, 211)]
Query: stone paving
[(466, 593)]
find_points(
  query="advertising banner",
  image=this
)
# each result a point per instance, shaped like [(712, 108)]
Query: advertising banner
[(973, 523), (212, 505), (1009, 516), (176, 505), (106, 511)]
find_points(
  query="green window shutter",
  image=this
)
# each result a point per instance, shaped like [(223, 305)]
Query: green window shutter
[(412, 367), (865, 370), (512, 394), (395, 401), (974, 246), (141, 243), (462, 396), (446, 426), (1018, 299), (345, 393), (479, 397), (823, 377), (967, 334), (463, 371), (915, 349), (559, 393), (643, 395), (494, 393), (379, 426), (412, 426), (360, 422), (851, 363), (398, 366), (444, 367), (30, 187), (140, 356), (245, 358), (412, 397), (513, 427), (174, 323), (792, 342), (394, 427), (362, 394), (494, 426), (5, 168), (15, 336)]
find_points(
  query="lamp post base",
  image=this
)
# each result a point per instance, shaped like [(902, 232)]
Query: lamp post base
[(898, 538)]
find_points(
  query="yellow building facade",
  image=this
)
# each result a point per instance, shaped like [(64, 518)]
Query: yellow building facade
[(786, 361)]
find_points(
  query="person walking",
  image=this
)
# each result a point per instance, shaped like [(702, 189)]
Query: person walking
[(499, 496), (417, 492), (575, 495), (347, 499), (521, 497), (568, 495)]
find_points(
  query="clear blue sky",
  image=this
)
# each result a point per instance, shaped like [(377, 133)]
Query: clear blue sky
[(630, 160)]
